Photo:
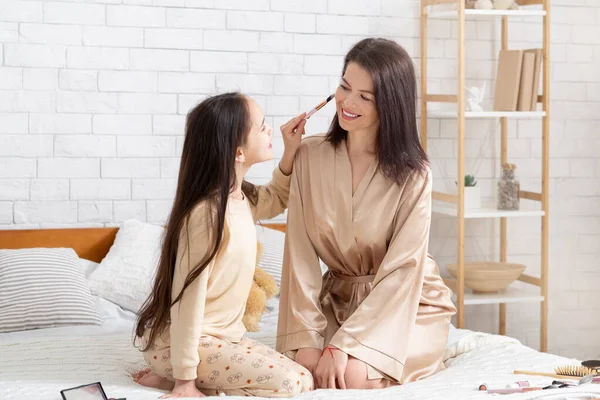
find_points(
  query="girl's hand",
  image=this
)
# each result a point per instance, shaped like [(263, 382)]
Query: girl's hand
[(184, 389), (292, 132), (331, 366)]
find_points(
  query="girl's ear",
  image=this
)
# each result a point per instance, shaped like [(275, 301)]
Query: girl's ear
[(240, 156)]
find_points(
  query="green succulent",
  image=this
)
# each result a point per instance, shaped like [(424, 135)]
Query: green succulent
[(469, 181)]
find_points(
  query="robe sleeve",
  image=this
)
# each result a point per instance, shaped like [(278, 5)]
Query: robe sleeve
[(272, 197), (301, 321), (187, 315), (380, 327)]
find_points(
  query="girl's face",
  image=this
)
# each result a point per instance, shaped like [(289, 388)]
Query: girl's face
[(355, 100), (258, 147)]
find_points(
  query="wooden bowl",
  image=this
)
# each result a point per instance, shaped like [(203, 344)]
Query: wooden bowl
[(488, 277)]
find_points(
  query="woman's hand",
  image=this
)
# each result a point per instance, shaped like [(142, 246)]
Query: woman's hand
[(331, 367), (184, 389), (308, 357), (292, 132)]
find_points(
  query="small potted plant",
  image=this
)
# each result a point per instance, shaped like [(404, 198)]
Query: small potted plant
[(472, 192)]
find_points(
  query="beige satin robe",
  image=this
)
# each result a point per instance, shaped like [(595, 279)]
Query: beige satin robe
[(382, 299)]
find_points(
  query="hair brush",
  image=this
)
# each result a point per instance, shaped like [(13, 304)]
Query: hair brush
[(574, 370)]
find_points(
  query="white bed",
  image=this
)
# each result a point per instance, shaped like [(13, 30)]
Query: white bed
[(39, 363)]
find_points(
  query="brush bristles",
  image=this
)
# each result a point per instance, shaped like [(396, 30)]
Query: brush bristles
[(574, 370)]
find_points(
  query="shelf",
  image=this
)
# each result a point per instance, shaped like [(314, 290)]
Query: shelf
[(486, 114), (489, 13), (512, 294), (529, 289), (449, 209)]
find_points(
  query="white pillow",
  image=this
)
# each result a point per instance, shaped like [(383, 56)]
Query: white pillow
[(43, 288), (273, 242), (87, 266), (125, 276)]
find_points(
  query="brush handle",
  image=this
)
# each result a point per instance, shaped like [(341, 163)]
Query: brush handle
[(311, 112), (319, 106), (548, 374)]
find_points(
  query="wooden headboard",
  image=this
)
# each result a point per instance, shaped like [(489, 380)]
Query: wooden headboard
[(89, 243), (277, 226)]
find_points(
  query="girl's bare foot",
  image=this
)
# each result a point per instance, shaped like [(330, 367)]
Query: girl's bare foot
[(149, 379), (137, 375)]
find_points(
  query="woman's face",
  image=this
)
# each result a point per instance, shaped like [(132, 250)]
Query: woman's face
[(355, 100), (258, 146)]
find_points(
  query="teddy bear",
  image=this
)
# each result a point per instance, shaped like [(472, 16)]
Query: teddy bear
[(263, 288)]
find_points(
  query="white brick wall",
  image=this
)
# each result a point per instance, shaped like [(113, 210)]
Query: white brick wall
[(93, 97)]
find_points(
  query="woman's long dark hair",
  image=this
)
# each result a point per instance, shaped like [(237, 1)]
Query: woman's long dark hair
[(398, 148), (215, 129)]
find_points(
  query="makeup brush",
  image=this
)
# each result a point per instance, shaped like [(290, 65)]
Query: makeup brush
[(319, 106), (539, 373)]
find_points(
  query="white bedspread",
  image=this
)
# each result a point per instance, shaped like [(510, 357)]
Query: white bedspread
[(38, 368), (38, 364)]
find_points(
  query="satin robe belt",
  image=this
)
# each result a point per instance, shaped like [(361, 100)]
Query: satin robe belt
[(344, 293)]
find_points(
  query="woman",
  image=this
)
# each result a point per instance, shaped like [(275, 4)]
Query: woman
[(360, 200)]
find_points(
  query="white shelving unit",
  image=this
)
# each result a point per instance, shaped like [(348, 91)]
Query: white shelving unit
[(452, 210), (449, 14), (511, 295), (528, 288), (444, 114)]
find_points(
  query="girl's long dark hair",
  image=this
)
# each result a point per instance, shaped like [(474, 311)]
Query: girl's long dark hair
[(215, 129), (398, 148)]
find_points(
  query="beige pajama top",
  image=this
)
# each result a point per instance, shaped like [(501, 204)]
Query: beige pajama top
[(215, 302), (382, 299)]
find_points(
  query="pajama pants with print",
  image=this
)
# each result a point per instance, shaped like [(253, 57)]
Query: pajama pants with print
[(246, 368)]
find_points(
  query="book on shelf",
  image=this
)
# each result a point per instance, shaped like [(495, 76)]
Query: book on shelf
[(536, 76), (517, 80)]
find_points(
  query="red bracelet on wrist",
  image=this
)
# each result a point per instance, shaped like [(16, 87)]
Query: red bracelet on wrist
[(330, 350)]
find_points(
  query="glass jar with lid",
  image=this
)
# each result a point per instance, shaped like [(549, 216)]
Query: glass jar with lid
[(508, 188)]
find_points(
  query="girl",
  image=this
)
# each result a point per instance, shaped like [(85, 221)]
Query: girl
[(191, 325), (360, 200)]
